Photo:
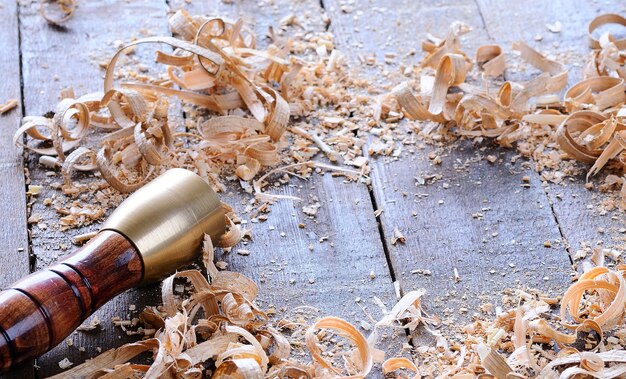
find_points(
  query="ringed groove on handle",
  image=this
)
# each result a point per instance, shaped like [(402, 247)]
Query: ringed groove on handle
[(11, 346), (86, 283), (41, 310), (76, 293), (44, 313)]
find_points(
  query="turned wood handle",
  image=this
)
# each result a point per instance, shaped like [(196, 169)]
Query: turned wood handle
[(40, 310)]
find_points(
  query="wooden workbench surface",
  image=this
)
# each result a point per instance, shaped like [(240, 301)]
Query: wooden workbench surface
[(501, 249)]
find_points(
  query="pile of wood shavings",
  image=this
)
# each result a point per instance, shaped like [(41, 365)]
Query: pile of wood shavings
[(216, 67), (588, 124), (239, 100), (217, 331)]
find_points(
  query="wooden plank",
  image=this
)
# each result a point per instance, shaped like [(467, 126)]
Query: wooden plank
[(325, 264), (340, 266), (54, 58), (469, 215), (14, 236), (580, 213)]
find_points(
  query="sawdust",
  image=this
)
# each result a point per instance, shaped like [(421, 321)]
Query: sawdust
[(348, 120)]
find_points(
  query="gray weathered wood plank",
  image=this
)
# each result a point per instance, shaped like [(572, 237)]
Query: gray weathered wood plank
[(13, 229), (14, 237), (499, 249), (579, 211), (55, 58)]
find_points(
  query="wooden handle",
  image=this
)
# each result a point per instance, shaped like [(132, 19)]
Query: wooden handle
[(39, 311)]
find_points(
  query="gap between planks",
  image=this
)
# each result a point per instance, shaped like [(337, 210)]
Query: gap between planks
[(439, 239), (575, 208), (15, 237), (329, 189), (42, 59), (381, 284)]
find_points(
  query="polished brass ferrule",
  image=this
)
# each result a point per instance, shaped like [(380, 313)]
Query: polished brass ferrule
[(167, 219)]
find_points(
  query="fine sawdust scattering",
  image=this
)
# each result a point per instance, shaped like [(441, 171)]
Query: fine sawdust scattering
[(256, 117), (94, 324), (311, 210), (555, 27), (65, 364)]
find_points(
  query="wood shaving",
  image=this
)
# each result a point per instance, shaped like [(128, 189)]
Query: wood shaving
[(590, 117), (65, 364), (242, 99), (241, 340), (65, 11), (242, 130), (8, 105), (397, 237), (606, 19), (141, 139), (555, 27), (94, 324)]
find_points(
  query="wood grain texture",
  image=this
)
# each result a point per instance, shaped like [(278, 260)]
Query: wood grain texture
[(13, 230), (327, 263), (54, 58), (280, 263), (503, 248), (42, 309), (468, 215), (583, 219)]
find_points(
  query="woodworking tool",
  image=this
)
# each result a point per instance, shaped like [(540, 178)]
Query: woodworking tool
[(152, 233)]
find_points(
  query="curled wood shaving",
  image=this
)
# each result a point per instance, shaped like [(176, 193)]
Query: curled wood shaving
[(590, 131), (219, 59), (393, 364), (362, 361), (491, 59), (605, 19), (437, 48), (590, 364), (261, 181), (542, 327), (232, 333), (451, 71), (596, 94), (582, 122), (64, 130), (216, 66), (103, 160), (232, 235), (241, 341), (610, 311), (607, 59), (70, 165), (65, 7)]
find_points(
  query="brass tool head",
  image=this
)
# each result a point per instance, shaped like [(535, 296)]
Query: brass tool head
[(167, 219)]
